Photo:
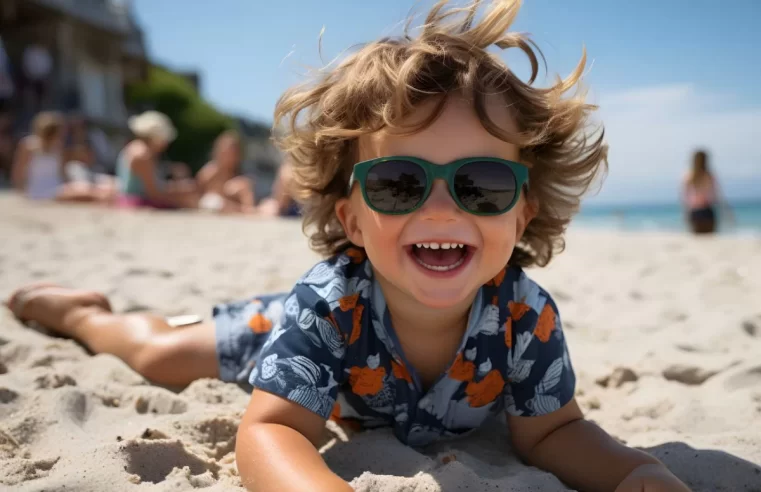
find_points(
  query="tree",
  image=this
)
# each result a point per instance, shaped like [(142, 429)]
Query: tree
[(197, 122)]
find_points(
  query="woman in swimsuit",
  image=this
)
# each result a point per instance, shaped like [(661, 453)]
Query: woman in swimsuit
[(700, 196), (38, 166), (224, 188), (137, 167)]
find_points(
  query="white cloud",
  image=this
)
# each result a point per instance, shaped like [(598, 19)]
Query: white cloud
[(652, 132)]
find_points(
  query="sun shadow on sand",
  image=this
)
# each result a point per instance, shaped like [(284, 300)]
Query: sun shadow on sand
[(708, 469), (483, 461)]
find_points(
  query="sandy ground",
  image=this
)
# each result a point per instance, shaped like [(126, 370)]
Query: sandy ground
[(664, 332)]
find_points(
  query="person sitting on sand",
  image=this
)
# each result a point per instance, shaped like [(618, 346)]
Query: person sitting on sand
[(221, 185), (281, 203), (431, 176), (38, 167), (701, 196), (137, 167)]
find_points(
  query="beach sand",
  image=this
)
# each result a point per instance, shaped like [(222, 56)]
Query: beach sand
[(664, 332)]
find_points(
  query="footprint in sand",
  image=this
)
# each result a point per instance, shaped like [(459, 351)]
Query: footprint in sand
[(159, 401), (7, 395), (154, 460), (140, 272), (689, 375), (54, 380), (75, 405), (617, 378), (744, 379), (216, 435), (752, 326), (24, 470), (153, 434)]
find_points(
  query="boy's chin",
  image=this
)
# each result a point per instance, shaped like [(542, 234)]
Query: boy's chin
[(442, 298)]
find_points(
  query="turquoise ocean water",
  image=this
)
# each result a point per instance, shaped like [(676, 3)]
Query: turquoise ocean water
[(747, 218)]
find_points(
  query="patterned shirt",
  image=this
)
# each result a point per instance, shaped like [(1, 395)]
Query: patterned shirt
[(334, 351)]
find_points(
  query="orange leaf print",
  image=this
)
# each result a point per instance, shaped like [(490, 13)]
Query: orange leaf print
[(356, 255), (497, 281), (509, 333), (356, 324), (485, 391), (336, 413), (335, 416), (545, 324), (348, 302), (462, 370), (400, 372), (259, 324), (517, 309), (366, 381)]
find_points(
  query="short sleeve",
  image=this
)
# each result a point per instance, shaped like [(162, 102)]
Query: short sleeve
[(302, 360), (540, 376)]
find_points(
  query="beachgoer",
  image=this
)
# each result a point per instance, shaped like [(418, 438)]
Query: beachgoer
[(223, 188), (281, 203), (79, 167), (137, 168), (701, 196), (39, 166), (430, 176)]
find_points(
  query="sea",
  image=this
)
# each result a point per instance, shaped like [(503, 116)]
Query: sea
[(744, 218)]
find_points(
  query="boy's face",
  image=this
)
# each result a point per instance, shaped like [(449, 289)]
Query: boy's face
[(390, 239)]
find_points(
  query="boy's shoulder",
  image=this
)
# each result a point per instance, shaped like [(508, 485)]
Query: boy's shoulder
[(514, 288)]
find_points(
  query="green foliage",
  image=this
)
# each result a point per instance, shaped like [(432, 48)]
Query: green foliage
[(197, 122)]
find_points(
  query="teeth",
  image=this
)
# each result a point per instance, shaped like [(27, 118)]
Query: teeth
[(440, 245)]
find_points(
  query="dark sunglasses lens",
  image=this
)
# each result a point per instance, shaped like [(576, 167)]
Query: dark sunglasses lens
[(395, 186), (485, 187)]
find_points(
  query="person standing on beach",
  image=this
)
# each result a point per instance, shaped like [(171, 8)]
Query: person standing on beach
[(431, 176), (701, 196)]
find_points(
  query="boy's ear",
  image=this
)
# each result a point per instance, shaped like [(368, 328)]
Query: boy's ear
[(348, 218), (528, 212)]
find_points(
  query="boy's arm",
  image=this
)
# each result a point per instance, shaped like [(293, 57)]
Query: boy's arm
[(276, 448), (580, 453)]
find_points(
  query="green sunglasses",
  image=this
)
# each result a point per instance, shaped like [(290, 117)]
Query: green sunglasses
[(398, 185)]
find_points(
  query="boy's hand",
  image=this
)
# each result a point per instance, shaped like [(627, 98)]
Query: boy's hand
[(651, 478)]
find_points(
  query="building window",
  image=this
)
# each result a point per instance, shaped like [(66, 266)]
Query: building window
[(93, 89)]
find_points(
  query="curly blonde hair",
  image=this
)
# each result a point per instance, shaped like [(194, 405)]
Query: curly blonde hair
[(318, 123)]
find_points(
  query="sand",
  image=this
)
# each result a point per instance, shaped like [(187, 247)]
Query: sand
[(664, 332)]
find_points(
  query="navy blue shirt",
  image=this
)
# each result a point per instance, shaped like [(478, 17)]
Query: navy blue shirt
[(333, 350)]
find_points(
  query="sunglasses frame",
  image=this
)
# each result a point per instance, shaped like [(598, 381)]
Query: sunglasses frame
[(432, 172)]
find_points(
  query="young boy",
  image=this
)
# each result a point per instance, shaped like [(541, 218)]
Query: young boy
[(430, 176)]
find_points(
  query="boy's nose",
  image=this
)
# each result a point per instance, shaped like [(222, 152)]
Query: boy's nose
[(440, 205)]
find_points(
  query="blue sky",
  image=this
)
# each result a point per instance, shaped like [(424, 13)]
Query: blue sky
[(669, 75)]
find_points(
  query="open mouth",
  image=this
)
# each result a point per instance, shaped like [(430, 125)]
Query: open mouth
[(440, 257)]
